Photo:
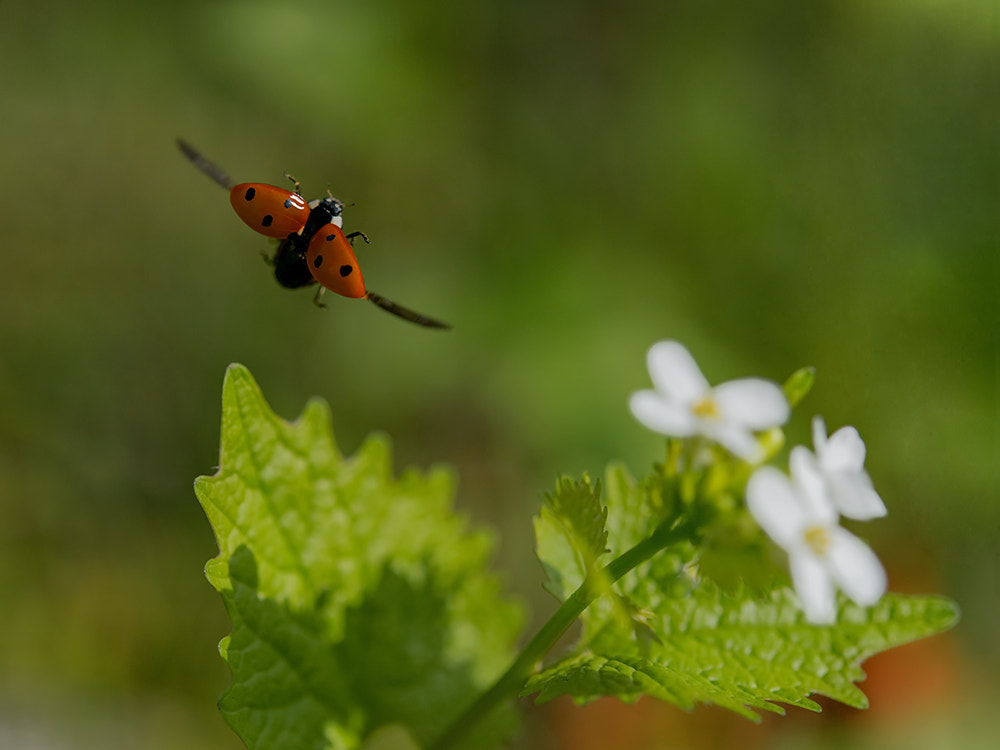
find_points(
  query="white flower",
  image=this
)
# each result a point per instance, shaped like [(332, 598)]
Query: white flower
[(822, 556), (684, 404), (840, 461)]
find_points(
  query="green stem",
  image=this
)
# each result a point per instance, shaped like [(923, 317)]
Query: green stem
[(514, 678)]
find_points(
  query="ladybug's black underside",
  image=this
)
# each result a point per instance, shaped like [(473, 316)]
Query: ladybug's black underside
[(290, 267)]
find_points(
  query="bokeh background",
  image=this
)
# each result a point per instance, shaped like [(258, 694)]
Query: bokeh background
[(774, 183)]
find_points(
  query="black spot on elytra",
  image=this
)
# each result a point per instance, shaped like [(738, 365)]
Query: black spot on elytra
[(331, 237), (267, 220), (318, 262), (250, 194), (346, 270), (288, 202)]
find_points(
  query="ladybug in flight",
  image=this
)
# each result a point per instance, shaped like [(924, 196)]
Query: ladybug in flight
[(313, 245)]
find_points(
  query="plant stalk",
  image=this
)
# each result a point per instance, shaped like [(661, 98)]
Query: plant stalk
[(513, 679)]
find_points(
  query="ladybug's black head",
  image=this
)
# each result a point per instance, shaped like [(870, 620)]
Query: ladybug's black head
[(323, 211), (328, 208)]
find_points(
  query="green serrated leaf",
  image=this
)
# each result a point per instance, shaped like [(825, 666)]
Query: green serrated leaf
[(742, 653), (570, 534), (357, 600)]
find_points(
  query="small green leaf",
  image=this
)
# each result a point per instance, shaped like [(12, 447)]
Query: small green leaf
[(742, 653), (799, 384), (357, 600), (634, 509), (573, 529), (570, 534)]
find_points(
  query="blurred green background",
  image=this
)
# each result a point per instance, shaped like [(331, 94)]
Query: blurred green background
[(775, 184)]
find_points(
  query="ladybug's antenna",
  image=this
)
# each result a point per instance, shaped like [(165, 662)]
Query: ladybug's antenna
[(212, 170), (405, 313)]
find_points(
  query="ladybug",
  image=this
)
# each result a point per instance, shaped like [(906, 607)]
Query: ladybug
[(313, 247)]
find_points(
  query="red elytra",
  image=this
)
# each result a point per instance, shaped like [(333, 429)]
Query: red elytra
[(270, 210), (332, 263)]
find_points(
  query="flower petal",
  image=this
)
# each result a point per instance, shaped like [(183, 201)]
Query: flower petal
[(844, 451), (811, 484), (819, 434), (853, 495), (752, 402), (736, 439), (675, 373), (662, 415), (814, 588), (774, 504), (855, 568)]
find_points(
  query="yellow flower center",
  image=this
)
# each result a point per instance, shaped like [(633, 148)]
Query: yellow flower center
[(706, 408), (818, 539)]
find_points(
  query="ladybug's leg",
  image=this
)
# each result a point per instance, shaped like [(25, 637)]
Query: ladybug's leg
[(272, 258), (318, 297), (294, 182), (362, 235)]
